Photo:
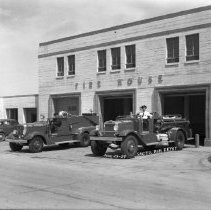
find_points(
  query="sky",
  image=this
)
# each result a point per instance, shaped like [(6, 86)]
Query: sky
[(26, 23)]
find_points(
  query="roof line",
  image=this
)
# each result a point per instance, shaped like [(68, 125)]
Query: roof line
[(13, 96), (167, 16), (130, 39)]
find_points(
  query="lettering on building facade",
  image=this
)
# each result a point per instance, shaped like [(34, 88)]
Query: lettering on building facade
[(98, 84), (129, 81), (76, 86), (149, 79), (139, 80), (90, 85), (119, 82)]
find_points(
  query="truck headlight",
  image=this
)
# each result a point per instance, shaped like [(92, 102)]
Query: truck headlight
[(15, 132), (116, 127)]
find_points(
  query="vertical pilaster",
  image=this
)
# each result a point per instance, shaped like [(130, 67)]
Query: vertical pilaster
[(207, 141)]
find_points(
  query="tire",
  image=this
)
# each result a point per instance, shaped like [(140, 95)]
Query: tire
[(84, 140), (36, 144), (98, 148), (2, 138), (180, 140), (15, 147), (129, 146)]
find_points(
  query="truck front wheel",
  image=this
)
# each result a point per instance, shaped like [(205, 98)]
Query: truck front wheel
[(36, 144), (180, 140), (98, 148), (15, 147), (129, 146), (84, 140)]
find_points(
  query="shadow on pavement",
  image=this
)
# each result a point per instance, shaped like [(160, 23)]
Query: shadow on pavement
[(49, 148)]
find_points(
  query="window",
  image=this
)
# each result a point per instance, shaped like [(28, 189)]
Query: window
[(101, 60), (130, 51), (60, 65), (192, 47), (71, 64), (115, 54), (12, 113), (172, 50)]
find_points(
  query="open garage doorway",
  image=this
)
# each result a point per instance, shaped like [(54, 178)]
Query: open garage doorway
[(190, 105), (30, 115), (113, 105), (68, 103)]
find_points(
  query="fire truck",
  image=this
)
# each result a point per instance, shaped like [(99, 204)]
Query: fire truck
[(60, 130), (130, 132)]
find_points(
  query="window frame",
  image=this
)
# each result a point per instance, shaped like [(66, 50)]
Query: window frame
[(171, 44), (194, 56), (58, 67), (102, 53), (71, 64), (130, 52), (116, 51)]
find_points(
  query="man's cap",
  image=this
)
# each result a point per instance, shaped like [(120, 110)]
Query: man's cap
[(143, 106)]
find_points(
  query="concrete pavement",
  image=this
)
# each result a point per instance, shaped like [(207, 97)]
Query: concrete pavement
[(72, 178)]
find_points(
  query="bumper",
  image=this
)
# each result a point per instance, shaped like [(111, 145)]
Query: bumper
[(105, 138), (19, 141)]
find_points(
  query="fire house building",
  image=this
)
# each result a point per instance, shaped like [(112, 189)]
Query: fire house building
[(163, 62)]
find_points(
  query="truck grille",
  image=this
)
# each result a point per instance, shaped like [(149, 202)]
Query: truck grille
[(109, 127), (108, 133)]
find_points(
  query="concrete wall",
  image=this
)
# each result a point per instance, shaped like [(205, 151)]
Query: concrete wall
[(20, 102), (1, 108)]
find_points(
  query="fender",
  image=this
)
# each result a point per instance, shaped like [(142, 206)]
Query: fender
[(172, 133), (85, 130), (31, 135), (134, 133)]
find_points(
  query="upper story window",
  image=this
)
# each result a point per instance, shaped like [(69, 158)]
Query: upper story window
[(71, 64), (60, 66), (192, 47), (130, 51), (116, 61), (172, 50), (101, 60)]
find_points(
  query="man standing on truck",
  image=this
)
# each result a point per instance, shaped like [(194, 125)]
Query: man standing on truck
[(143, 112), (56, 122)]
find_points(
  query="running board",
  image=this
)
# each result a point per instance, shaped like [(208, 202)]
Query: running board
[(63, 142)]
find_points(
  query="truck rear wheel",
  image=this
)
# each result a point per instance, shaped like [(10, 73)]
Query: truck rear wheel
[(36, 144), (180, 140), (98, 148), (84, 140), (129, 146), (15, 147)]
